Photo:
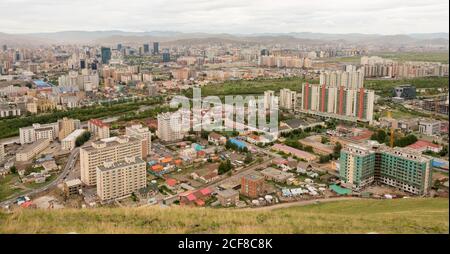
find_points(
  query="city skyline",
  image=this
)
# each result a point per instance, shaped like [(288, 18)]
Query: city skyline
[(236, 17)]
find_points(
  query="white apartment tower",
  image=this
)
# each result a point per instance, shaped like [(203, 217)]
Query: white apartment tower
[(106, 150)]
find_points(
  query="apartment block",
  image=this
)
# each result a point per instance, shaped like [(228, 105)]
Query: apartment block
[(252, 185), (402, 168), (38, 131), (106, 150), (338, 102), (67, 126), (69, 142), (170, 127), (348, 79), (142, 133), (120, 179), (98, 128), (29, 151), (288, 99)]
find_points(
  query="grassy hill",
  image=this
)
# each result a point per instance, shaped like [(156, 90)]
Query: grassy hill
[(356, 216)]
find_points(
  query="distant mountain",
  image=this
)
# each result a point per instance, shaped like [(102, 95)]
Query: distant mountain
[(295, 38)]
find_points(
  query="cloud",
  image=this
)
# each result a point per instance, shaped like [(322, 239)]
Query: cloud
[(226, 16)]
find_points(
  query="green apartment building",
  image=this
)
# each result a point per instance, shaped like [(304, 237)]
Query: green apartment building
[(402, 168)]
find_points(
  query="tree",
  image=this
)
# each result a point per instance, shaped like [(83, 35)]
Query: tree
[(224, 167), (248, 158), (337, 150), (13, 170), (82, 138), (324, 140)]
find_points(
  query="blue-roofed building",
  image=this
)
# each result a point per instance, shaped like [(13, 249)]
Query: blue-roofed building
[(41, 84), (197, 147), (238, 143)]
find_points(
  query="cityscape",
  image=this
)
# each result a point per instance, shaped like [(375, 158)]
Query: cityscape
[(253, 131)]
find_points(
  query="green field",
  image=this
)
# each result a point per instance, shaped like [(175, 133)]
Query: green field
[(5, 186), (415, 56), (257, 86), (354, 216), (384, 87)]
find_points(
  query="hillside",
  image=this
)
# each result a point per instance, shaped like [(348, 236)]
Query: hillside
[(359, 216)]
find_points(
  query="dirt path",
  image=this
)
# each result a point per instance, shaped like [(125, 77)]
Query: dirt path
[(301, 203)]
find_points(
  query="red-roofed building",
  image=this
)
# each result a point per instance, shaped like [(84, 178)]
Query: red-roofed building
[(157, 168), (423, 145), (98, 128), (195, 197), (171, 182)]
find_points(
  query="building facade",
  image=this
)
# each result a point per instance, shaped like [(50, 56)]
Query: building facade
[(402, 168), (121, 178), (38, 131), (142, 133), (106, 150), (338, 102)]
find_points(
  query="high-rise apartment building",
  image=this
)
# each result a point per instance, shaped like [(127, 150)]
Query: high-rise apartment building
[(170, 127), (67, 126), (98, 128), (106, 55), (143, 133), (38, 131), (120, 179), (338, 102), (146, 48), (348, 79), (402, 168), (166, 55), (269, 99), (155, 48), (106, 150), (288, 99)]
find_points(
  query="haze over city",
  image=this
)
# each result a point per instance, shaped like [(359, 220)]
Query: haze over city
[(226, 16)]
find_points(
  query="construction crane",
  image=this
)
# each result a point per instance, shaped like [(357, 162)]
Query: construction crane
[(392, 138)]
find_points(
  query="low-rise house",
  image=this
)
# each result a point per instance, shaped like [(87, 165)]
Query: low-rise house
[(423, 146), (216, 139), (228, 197), (276, 175), (72, 187), (195, 197)]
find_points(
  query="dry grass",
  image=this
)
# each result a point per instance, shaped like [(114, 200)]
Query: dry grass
[(359, 216)]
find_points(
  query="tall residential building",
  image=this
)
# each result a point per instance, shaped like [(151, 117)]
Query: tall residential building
[(106, 150), (120, 179), (348, 79), (169, 127), (166, 56), (67, 126), (98, 129), (268, 99), (402, 168), (38, 131), (146, 48), (288, 99), (106, 55), (338, 102), (155, 48), (142, 133)]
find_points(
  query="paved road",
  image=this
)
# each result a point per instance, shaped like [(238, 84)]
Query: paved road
[(69, 166)]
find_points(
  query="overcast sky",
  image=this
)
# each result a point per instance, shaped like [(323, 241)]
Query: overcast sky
[(227, 16)]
